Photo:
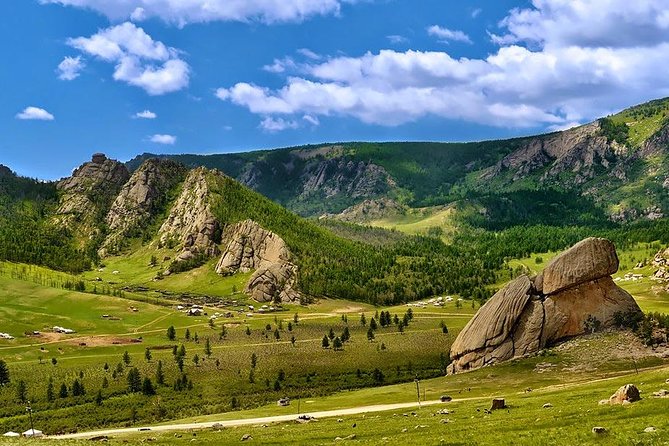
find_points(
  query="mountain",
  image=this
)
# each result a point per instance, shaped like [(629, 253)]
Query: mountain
[(615, 169)]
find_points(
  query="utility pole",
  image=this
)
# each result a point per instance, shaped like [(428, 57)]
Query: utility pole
[(29, 409), (417, 389)]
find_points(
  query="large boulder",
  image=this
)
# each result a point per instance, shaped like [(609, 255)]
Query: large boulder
[(589, 259), (249, 247), (573, 294), (629, 393)]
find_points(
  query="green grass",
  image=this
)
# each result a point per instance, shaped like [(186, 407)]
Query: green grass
[(420, 221), (643, 120)]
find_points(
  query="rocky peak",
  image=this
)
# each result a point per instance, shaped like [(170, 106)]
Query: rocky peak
[(5, 171), (191, 226), (88, 193), (530, 314), (249, 247), (139, 200), (371, 209), (334, 176)]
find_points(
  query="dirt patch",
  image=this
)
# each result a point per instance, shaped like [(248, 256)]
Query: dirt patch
[(349, 309), (102, 341), (49, 337)]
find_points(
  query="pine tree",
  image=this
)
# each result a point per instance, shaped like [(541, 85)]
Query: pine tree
[(363, 319), (372, 324), (98, 398), (21, 391), (277, 335), (337, 344), (207, 347), (224, 332), (126, 358), (296, 318), (326, 342), (254, 360), (331, 334), (346, 335), (147, 354), (196, 360), (180, 363), (370, 334), (50, 392), (187, 335), (290, 326), (171, 333), (160, 375), (248, 331), (147, 387), (63, 391), (4, 373), (134, 380)]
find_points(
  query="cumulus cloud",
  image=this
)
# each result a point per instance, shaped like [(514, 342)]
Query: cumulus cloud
[(182, 12), (70, 68), (559, 63), (163, 139), (35, 113), (396, 39), (146, 114), (447, 35), (139, 60)]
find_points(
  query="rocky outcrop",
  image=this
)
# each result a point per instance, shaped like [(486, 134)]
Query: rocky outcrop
[(249, 247), (574, 294), (580, 150), (372, 209), (88, 193), (341, 176), (191, 226), (139, 200), (629, 393)]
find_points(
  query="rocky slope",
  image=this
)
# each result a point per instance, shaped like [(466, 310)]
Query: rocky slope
[(574, 294), (248, 247), (191, 227), (88, 193), (138, 201), (368, 210)]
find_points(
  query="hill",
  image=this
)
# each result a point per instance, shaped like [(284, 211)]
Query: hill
[(615, 168)]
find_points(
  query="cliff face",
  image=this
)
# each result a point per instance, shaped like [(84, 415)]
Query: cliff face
[(573, 294), (88, 193), (580, 150), (139, 200), (248, 247), (191, 226)]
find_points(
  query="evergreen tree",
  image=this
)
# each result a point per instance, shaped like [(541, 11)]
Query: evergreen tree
[(147, 387), (98, 398), (196, 360), (331, 334), (180, 363), (326, 342), (78, 388), (296, 318), (126, 358), (105, 382), (277, 335), (187, 335), (207, 347), (363, 319), (346, 335), (63, 391), (182, 351), (21, 391), (147, 354), (248, 331), (372, 324), (370, 334), (254, 360), (134, 380), (160, 375), (171, 333), (4, 373), (50, 392), (337, 344), (290, 326), (224, 332)]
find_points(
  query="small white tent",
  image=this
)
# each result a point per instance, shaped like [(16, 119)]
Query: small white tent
[(33, 433), (11, 434)]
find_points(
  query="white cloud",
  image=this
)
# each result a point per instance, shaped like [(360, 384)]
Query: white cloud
[(35, 113), (447, 35), (139, 60), (397, 39), (476, 12), (306, 52), (273, 125), (163, 139), (280, 65), (146, 114), (182, 12), (313, 120), (545, 73), (70, 68)]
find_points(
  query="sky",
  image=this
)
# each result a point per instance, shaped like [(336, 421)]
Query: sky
[(126, 77)]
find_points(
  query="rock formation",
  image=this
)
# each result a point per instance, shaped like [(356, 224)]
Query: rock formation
[(139, 200), (191, 226), (88, 193), (249, 247), (574, 293), (372, 209)]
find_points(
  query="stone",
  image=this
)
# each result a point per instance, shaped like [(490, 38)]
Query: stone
[(662, 393), (598, 430), (246, 437), (628, 392), (650, 429), (528, 315), (498, 403), (139, 200), (547, 406), (250, 247), (588, 260), (191, 224)]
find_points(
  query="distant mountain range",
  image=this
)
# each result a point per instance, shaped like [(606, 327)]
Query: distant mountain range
[(618, 165)]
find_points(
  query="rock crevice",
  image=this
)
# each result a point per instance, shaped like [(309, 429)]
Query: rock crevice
[(528, 315)]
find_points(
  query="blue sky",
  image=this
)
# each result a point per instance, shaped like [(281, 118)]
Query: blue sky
[(195, 76)]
